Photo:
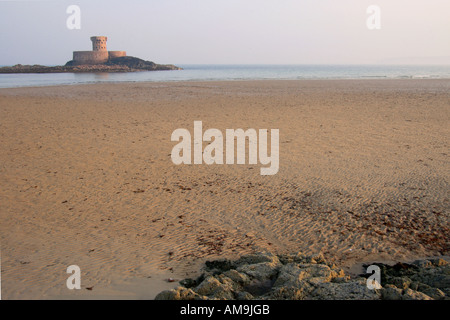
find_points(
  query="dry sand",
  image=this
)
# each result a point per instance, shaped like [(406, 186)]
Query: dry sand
[(87, 179)]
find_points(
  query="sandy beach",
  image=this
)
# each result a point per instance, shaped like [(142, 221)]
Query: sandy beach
[(87, 180)]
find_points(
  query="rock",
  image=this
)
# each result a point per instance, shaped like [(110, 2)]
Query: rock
[(319, 258), (18, 68), (188, 294), (341, 279), (120, 64), (398, 270), (422, 275), (317, 280), (423, 263), (188, 283), (259, 287), (229, 283), (219, 265), (208, 286), (285, 293), (391, 292), (262, 270), (132, 62), (401, 282), (352, 290), (222, 293), (439, 262), (213, 288), (400, 266), (179, 293), (320, 273), (434, 293), (286, 258), (338, 275), (294, 277), (414, 285), (237, 277), (257, 258), (290, 275), (434, 277), (244, 296), (409, 294), (168, 295), (295, 258), (139, 64), (293, 274)]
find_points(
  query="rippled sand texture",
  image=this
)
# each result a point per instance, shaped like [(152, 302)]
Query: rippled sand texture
[(87, 179)]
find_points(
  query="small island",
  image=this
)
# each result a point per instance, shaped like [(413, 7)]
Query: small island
[(97, 60)]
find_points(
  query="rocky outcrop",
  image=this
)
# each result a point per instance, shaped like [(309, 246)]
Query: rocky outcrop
[(19, 68), (139, 64), (266, 276), (120, 64), (422, 279)]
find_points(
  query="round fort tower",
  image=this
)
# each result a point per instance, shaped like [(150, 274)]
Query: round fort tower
[(98, 55), (99, 43)]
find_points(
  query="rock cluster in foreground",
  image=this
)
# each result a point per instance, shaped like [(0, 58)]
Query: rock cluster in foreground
[(121, 64), (266, 276)]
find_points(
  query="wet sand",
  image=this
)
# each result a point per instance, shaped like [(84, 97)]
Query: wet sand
[(87, 179)]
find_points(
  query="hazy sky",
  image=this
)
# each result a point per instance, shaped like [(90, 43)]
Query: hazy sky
[(230, 31)]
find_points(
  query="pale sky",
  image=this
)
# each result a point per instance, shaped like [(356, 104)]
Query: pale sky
[(230, 31)]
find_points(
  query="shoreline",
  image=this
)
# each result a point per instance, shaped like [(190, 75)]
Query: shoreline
[(88, 179), (125, 82)]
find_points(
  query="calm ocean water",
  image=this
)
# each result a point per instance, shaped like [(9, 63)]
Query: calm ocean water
[(233, 72)]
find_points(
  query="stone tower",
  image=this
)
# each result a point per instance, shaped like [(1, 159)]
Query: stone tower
[(98, 55), (99, 43)]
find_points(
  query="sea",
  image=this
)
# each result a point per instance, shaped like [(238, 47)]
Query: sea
[(234, 72)]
